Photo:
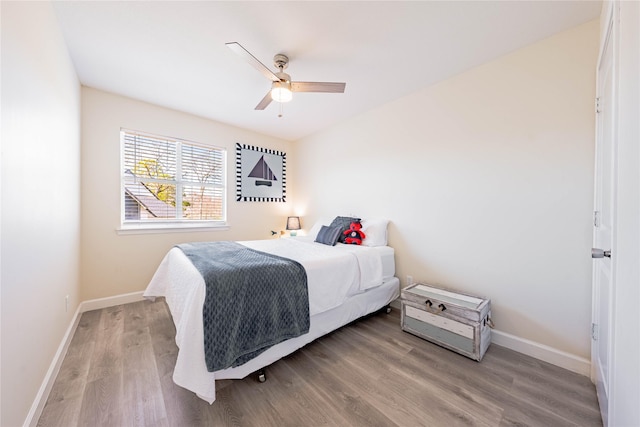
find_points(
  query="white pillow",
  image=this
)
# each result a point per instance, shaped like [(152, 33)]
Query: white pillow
[(375, 231)]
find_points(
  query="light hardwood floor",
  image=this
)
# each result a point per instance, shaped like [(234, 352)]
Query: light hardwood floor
[(117, 372)]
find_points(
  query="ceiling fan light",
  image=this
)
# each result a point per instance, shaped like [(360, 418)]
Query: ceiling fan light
[(280, 92)]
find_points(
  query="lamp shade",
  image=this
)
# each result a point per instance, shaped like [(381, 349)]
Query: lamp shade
[(293, 223)]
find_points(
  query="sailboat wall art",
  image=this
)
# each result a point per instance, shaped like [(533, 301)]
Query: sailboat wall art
[(260, 174)]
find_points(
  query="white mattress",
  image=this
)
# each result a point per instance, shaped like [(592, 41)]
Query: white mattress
[(336, 297), (387, 255)]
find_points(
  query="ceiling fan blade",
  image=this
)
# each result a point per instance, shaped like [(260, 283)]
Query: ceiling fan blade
[(325, 87), (244, 53), (265, 102)]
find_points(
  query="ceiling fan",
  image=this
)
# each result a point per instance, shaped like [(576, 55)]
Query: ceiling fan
[(282, 86)]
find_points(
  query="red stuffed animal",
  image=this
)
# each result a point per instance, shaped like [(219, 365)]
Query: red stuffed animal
[(354, 235)]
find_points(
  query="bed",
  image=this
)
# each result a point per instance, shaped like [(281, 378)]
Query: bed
[(345, 282)]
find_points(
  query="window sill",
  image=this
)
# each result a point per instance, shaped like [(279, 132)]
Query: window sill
[(169, 228)]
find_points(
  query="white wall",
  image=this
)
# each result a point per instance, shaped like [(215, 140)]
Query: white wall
[(40, 200), (487, 179), (114, 264)]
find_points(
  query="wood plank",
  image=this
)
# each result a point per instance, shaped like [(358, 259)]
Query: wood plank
[(423, 380), (68, 388), (309, 408), (441, 322), (142, 391), (107, 357), (342, 400), (388, 393), (102, 403), (61, 413), (495, 379), (119, 367)]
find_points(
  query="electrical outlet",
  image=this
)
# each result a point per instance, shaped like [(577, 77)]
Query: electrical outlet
[(66, 303), (409, 280)]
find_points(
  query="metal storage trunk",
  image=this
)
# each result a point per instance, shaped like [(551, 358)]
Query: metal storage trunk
[(453, 320)]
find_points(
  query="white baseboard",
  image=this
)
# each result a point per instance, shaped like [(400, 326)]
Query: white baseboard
[(47, 384), (97, 304), (542, 352)]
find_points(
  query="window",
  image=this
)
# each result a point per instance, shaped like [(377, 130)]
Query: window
[(171, 182)]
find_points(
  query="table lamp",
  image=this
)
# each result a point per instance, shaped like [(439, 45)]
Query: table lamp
[(293, 224)]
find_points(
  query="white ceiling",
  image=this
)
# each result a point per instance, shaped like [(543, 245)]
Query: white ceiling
[(173, 53)]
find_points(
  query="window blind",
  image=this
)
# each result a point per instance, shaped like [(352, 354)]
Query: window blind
[(171, 180)]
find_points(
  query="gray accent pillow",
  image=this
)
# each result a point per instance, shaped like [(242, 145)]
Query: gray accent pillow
[(328, 235), (343, 222)]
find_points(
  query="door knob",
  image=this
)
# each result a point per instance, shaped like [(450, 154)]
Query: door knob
[(599, 253)]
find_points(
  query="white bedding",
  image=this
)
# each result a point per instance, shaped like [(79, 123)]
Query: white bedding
[(387, 254), (334, 275)]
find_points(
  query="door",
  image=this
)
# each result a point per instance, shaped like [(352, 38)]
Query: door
[(604, 222)]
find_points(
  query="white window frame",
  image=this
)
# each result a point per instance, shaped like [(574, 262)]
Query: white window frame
[(171, 225)]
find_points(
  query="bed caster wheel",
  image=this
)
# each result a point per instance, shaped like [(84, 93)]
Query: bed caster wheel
[(262, 376), (387, 309)]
